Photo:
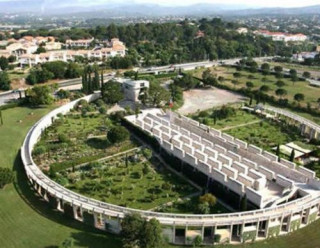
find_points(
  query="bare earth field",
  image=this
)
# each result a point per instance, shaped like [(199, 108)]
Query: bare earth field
[(200, 99)]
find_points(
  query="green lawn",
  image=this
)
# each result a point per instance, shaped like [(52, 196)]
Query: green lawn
[(240, 118), (311, 93), (25, 221), (265, 135), (254, 130)]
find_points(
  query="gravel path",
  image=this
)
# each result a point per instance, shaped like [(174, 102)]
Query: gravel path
[(202, 99)]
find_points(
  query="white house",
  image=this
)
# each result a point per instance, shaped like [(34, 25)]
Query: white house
[(79, 43), (132, 88)]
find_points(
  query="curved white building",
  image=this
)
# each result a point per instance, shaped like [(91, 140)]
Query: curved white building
[(286, 197)]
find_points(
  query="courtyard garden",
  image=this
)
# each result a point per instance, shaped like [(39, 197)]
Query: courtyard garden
[(135, 179), (252, 128), (85, 134)]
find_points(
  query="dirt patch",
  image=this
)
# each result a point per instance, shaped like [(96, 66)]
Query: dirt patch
[(18, 84), (201, 99)]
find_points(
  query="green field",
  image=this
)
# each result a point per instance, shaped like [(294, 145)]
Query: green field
[(27, 221), (240, 118), (311, 93)]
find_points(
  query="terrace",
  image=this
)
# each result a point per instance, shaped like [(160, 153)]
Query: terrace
[(244, 169)]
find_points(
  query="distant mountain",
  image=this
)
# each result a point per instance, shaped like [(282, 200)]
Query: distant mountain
[(132, 9), (309, 10)]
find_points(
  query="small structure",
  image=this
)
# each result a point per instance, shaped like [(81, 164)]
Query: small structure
[(300, 152), (133, 88)]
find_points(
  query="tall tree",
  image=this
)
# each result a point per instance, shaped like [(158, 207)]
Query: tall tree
[(112, 92), (39, 95), (151, 235), (4, 81), (292, 155)]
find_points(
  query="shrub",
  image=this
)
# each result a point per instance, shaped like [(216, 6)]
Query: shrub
[(63, 138), (6, 177), (39, 150), (209, 198), (217, 238), (147, 153), (102, 110), (118, 134)]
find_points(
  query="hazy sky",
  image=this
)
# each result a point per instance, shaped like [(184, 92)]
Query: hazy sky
[(248, 3), (264, 3)]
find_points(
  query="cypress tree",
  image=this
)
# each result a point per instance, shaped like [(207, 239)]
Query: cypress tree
[(243, 203), (292, 155), (278, 150), (102, 80), (85, 82), (96, 80), (90, 88)]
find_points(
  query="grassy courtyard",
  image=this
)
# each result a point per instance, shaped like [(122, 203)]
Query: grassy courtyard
[(252, 128), (130, 180)]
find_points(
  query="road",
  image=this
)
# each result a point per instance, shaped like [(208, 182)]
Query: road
[(74, 84), (194, 65)]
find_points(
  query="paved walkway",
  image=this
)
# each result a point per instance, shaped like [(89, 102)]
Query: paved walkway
[(241, 125)]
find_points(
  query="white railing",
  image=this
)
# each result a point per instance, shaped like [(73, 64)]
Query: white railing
[(293, 116)]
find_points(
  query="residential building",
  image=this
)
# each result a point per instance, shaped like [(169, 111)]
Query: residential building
[(242, 30), (280, 36), (85, 43)]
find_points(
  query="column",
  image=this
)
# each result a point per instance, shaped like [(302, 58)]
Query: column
[(241, 232), (289, 223), (307, 216), (231, 230), (45, 196), (174, 234), (59, 207), (95, 217), (267, 228), (202, 233), (39, 190), (75, 212), (257, 233)]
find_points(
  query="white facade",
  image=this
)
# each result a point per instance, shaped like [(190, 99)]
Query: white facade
[(132, 89), (286, 37), (79, 43)]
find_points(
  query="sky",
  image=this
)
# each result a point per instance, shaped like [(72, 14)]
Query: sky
[(254, 3), (247, 3)]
